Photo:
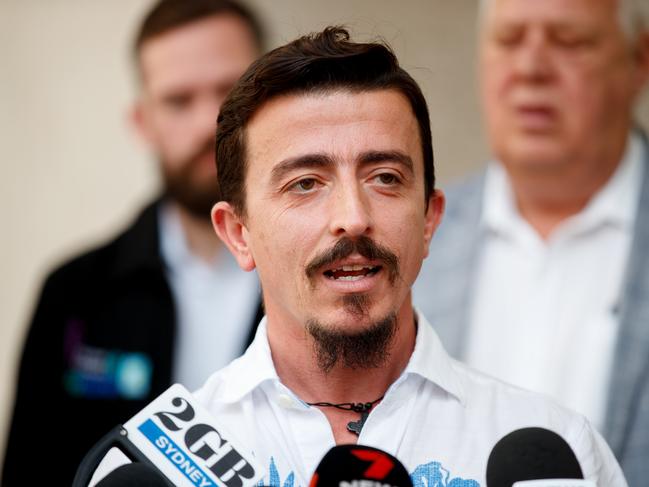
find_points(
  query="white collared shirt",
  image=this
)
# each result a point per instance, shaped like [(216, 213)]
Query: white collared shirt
[(210, 298), (544, 312), (439, 418)]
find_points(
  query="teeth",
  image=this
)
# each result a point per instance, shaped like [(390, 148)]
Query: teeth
[(361, 272), (349, 268)]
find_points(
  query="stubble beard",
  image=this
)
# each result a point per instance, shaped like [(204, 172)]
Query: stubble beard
[(181, 187)]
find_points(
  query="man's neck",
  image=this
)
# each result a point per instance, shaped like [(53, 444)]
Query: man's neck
[(297, 367), (547, 200), (199, 235)]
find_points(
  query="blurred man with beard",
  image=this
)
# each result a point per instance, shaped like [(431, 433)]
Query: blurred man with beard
[(162, 302)]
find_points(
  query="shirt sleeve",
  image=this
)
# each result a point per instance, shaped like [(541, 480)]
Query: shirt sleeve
[(596, 458)]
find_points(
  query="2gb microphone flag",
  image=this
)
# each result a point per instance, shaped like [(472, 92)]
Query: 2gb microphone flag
[(185, 443)]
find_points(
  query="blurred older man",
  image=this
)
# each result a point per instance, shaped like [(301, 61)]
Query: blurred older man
[(544, 259)]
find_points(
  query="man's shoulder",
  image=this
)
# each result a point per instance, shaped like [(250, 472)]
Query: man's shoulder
[(513, 403), (465, 192), (100, 260), (492, 403), (454, 239), (241, 377), (225, 386)]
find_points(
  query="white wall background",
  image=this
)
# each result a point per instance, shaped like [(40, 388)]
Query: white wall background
[(71, 173)]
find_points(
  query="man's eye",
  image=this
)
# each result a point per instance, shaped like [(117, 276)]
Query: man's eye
[(386, 179), (507, 41), (304, 185), (572, 42), (508, 37), (177, 102)]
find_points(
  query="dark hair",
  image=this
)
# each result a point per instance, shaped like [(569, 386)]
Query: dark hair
[(167, 15), (315, 63)]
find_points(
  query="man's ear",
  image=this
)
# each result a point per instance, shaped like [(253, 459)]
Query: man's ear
[(231, 229), (434, 212), (139, 121)]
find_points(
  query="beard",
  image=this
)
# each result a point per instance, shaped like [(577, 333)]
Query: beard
[(182, 186), (365, 349)]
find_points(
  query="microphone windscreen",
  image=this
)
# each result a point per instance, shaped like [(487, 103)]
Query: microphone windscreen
[(531, 454), (133, 475), (352, 463)]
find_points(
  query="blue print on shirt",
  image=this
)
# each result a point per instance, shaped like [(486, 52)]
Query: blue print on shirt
[(429, 475), (273, 477), (434, 475)]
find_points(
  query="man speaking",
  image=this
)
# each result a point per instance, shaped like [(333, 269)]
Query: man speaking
[(325, 170)]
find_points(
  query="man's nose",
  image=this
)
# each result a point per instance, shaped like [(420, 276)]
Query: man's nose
[(533, 60), (350, 212)]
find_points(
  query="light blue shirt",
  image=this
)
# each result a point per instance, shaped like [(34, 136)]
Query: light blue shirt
[(215, 303)]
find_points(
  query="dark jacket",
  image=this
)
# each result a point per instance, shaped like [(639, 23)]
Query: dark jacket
[(99, 348)]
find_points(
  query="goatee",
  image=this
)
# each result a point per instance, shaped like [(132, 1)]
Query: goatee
[(364, 349)]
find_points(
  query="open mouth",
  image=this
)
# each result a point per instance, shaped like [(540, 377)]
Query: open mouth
[(352, 272)]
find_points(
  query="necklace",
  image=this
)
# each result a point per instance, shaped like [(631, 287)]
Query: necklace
[(363, 408)]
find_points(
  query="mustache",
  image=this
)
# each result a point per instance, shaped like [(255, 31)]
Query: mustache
[(364, 246)]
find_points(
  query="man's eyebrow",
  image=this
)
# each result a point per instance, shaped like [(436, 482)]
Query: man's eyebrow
[(373, 157), (318, 160), (300, 162)]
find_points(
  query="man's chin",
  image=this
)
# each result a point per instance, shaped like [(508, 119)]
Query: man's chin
[(357, 305), (352, 343)]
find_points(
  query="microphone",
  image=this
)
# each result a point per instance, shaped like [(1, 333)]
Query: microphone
[(133, 475), (176, 440), (534, 457), (359, 466)]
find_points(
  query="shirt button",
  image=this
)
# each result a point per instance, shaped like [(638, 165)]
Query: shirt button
[(285, 401)]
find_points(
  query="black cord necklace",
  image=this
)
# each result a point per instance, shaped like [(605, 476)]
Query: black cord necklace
[(363, 408)]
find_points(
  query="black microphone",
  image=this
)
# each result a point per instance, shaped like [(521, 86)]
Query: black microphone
[(356, 465), (133, 475), (177, 440), (532, 454)]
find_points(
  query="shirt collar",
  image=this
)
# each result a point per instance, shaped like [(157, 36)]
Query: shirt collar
[(177, 255), (429, 360), (615, 203), (250, 370), (173, 245)]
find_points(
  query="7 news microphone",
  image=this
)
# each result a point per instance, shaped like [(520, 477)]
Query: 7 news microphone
[(359, 466)]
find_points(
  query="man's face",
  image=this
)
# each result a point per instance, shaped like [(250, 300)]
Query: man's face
[(186, 74), (558, 83), (336, 221)]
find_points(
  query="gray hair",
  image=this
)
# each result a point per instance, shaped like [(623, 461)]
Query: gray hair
[(633, 16)]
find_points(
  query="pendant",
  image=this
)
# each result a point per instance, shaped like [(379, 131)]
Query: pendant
[(356, 426)]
